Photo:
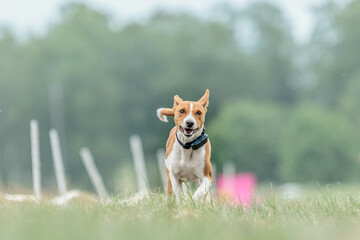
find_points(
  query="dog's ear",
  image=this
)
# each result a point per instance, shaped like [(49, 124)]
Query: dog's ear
[(163, 112), (204, 100), (177, 101)]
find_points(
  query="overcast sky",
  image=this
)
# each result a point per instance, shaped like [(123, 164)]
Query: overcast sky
[(34, 15)]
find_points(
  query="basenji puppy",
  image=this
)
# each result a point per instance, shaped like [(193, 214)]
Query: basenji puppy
[(188, 149)]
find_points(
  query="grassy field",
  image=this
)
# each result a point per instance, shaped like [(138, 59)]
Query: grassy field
[(321, 214)]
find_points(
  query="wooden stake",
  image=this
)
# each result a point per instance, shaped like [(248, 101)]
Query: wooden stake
[(35, 158), (58, 161), (93, 173), (139, 162), (160, 155)]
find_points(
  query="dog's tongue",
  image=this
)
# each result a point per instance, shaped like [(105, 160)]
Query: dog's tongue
[(188, 130)]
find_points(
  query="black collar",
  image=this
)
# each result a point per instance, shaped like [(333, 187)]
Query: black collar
[(195, 144)]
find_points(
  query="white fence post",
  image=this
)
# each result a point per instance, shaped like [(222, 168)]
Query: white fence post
[(214, 177), (229, 168), (160, 155), (93, 173), (35, 158), (58, 161), (139, 162)]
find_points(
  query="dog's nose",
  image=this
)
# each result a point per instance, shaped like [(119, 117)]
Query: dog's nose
[(189, 124)]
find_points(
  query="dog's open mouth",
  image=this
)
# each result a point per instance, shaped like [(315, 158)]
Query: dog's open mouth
[(188, 131)]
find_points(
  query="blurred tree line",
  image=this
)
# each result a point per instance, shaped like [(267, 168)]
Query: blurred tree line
[(284, 110)]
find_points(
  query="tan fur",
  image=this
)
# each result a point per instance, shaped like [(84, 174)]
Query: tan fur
[(169, 145), (185, 105), (167, 112), (169, 187), (170, 142), (208, 172)]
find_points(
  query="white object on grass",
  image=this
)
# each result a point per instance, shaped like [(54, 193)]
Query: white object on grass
[(66, 197), (93, 173), (290, 191), (139, 162), (20, 198), (136, 198), (35, 158), (58, 161), (77, 195)]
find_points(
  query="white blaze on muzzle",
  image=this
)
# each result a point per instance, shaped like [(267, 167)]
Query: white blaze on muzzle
[(190, 118)]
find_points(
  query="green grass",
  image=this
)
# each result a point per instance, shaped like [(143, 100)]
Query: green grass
[(321, 214)]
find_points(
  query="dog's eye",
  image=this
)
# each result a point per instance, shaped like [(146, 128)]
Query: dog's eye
[(198, 113), (182, 111)]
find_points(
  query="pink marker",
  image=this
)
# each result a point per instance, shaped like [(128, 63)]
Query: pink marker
[(238, 188)]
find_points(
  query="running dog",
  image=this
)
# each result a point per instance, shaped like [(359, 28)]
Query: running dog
[(188, 149)]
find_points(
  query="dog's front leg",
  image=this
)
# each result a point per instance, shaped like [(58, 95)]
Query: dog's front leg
[(203, 189), (176, 186)]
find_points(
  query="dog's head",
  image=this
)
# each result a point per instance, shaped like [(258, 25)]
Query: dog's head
[(189, 116)]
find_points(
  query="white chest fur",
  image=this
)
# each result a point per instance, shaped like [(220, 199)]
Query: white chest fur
[(186, 164)]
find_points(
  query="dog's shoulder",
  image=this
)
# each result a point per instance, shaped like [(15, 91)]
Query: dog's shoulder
[(208, 171), (170, 142)]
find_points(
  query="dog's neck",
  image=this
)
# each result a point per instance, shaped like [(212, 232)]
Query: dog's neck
[(184, 139)]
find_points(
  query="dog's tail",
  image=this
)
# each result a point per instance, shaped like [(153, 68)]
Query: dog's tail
[(163, 112)]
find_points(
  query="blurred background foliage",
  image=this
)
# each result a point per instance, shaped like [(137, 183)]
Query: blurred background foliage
[(284, 110)]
